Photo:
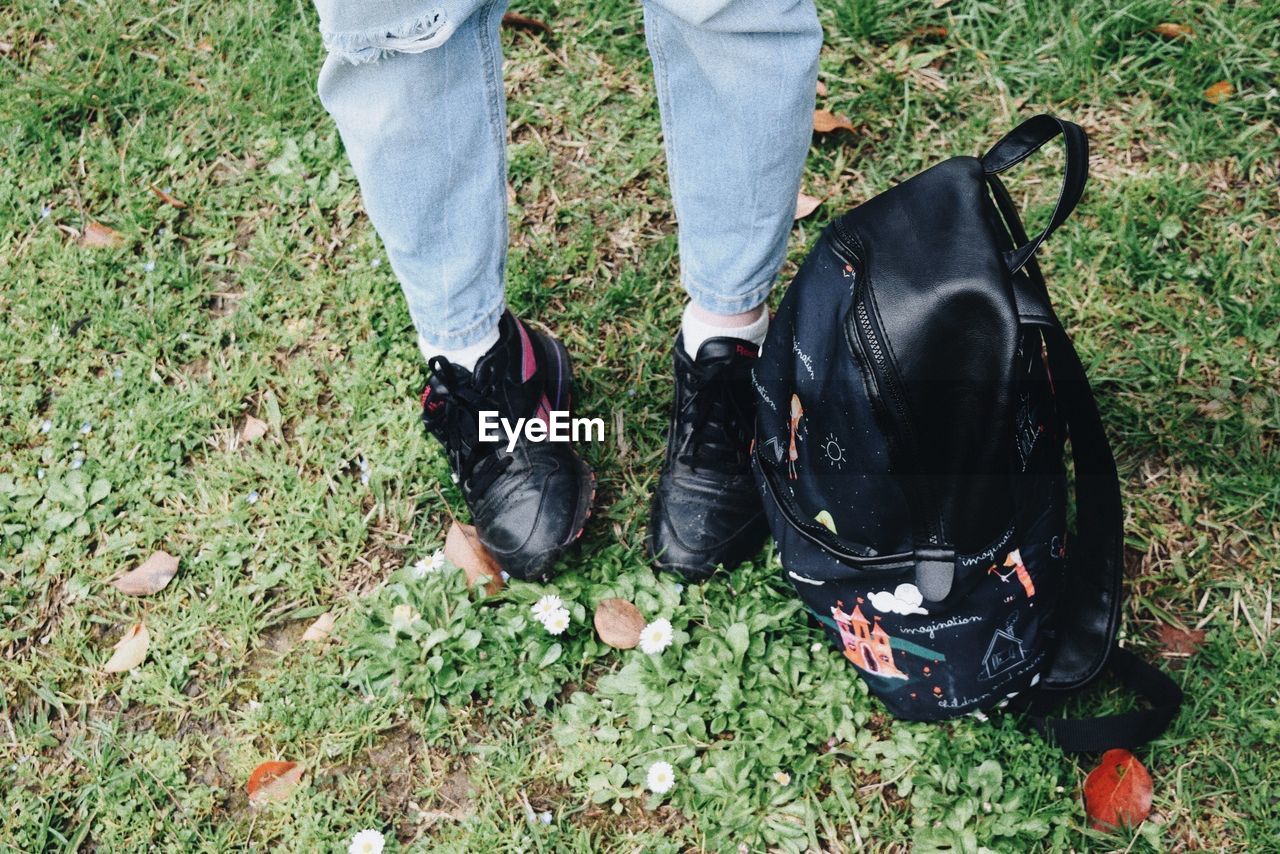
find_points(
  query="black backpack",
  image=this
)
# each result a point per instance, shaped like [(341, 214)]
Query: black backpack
[(915, 394)]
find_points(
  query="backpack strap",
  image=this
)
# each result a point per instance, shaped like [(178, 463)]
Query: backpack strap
[(1091, 601), (1091, 604), (1128, 729), (1019, 144)]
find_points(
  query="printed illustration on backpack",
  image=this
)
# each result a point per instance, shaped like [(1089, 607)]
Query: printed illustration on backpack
[(866, 645), (834, 451), (1004, 652), (905, 599), (1015, 567), (824, 519), (1028, 430), (793, 453)]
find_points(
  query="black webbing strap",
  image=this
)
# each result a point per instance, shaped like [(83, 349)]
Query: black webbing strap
[(1127, 729)]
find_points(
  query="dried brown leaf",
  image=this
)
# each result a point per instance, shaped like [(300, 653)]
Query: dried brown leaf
[(150, 576), (929, 32), (1180, 642), (130, 650), (168, 198), (462, 548), (98, 236), (516, 21), (253, 429), (1219, 92), (1173, 31), (806, 204), (825, 121), (619, 623), (320, 629)]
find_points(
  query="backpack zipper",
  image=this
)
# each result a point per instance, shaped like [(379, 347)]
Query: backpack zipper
[(885, 386)]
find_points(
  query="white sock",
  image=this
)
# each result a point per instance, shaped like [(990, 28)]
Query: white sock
[(463, 357), (696, 330)]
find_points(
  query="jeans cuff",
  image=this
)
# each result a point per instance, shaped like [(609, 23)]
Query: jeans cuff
[(715, 301), (456, 339)]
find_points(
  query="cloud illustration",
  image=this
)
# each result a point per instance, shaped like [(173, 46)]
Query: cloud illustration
[(905, 599)]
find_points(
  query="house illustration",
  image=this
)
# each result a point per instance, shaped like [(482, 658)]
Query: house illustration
[(866, 645), (1004, 651)]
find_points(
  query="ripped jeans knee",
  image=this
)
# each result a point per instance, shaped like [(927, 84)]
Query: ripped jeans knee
[(359, 32)]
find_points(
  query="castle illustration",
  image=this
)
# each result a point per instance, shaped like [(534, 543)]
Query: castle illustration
[(866, 645)]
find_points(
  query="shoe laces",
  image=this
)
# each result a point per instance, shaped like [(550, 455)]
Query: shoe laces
[(717, 416), (475, 464)]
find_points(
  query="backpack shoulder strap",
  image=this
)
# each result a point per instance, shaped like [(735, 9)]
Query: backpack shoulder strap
[(1091, 601), (1091, 604)]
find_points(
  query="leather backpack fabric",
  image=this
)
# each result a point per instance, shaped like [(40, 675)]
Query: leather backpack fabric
[(915, 395)]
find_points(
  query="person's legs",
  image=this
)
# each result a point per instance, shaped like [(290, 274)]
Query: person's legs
[(415, 89), (736, 85)]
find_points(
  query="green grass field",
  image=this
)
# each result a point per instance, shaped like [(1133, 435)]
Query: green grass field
[(126, 373)]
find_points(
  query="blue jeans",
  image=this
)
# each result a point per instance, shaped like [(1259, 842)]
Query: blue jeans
[(415, 87)]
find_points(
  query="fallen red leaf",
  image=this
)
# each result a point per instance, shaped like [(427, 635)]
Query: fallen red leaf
[(516, 21), (1118, 791), (273, 781)]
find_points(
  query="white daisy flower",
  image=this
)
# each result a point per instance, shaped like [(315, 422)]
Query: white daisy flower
[(546, 606), (660, 778), (426, 566), (782, 778), (656, 636), (367, 842), (557, 621)]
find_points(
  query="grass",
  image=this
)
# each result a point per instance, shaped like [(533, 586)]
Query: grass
[(264, 297)]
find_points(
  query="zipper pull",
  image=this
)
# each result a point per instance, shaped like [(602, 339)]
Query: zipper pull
[(935, 572)]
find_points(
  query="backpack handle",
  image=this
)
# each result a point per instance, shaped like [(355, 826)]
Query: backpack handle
[(1019, 144)]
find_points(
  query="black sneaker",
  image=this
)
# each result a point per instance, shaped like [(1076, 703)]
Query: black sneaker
[(706, 510), (530, 504)]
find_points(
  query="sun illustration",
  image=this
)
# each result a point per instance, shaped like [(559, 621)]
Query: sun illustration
[(832, 450)]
